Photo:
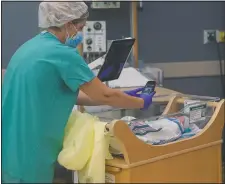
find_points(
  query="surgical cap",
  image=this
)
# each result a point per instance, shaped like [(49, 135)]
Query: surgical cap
[(56, 14)]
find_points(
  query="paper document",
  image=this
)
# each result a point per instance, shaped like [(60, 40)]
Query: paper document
[(96, 63), (129, 77)]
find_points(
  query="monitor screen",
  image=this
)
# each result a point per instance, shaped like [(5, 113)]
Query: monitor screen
[(115, 59)]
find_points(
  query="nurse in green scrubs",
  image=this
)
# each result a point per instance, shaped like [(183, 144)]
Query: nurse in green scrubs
[(45, 78)]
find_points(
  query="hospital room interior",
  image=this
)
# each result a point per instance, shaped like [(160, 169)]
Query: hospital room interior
[(174, 49)]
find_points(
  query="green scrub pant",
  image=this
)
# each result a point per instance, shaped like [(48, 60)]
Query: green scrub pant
[(8, 179)]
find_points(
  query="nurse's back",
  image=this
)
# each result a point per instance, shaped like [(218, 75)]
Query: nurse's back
[(36, 103)]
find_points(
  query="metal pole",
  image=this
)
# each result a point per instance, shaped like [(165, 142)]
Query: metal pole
[(134, 30)]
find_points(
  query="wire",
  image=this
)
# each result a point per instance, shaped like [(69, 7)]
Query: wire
[(221, 69)]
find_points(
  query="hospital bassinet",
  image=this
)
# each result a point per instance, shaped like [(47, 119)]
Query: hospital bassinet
[(192, 160)]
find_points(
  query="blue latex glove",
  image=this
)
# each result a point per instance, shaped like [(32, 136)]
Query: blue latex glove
[(134, 92), (147, 100)]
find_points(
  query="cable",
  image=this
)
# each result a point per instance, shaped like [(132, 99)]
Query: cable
[(221, 69), (212, 38)]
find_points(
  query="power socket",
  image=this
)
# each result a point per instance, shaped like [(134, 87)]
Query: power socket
[(220, 36), (209, 36)]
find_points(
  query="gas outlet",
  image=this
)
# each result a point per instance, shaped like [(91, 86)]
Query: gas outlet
[(209, 36)]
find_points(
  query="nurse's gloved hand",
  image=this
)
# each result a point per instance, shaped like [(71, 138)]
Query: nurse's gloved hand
[(147, 100), (105, 73), (134, 92)]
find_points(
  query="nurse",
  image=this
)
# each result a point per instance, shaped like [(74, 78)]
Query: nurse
[(45, 78)]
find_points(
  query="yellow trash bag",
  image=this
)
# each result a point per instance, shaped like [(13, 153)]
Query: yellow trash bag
[(78, 141), (85, 147), (94, 171)]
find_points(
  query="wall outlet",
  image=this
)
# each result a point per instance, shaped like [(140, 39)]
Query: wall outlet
[(209, 36), (220, 36)]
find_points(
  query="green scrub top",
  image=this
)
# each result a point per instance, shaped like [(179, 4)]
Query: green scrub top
[(40, 88)]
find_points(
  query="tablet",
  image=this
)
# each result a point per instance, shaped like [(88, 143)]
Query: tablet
[(116, 58)]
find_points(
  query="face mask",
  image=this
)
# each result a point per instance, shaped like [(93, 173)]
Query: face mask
[(75, 40)]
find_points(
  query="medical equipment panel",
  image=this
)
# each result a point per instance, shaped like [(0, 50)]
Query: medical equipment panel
[(94, 37)]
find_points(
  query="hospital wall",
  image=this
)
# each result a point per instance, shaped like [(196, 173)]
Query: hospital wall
[(169, 32)]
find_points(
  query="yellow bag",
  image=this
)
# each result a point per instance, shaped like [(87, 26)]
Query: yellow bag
[(85, 147), (94, 171), (78, 141)]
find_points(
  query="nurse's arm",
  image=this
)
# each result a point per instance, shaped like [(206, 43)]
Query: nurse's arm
[(83, 99), (99, 93)]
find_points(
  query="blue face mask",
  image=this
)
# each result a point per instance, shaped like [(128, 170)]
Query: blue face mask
[(75, 40)]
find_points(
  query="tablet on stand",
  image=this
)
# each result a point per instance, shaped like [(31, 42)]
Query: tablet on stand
[(116, 57)]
